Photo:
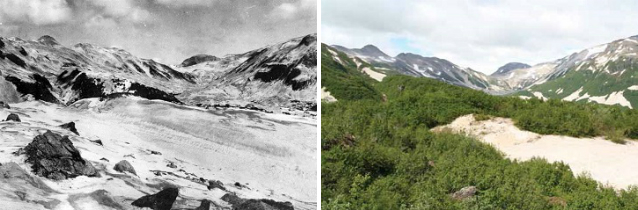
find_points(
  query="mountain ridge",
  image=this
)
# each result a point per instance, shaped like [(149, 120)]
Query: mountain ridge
[(551, 79), (45, 70)]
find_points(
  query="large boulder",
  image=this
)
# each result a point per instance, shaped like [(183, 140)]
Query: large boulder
[(163, 200), (124, 166), (212, 184), (255, 204), (264, 204), (13, 117), (204, 206), (71, 127), (54, 157), (464, 193)]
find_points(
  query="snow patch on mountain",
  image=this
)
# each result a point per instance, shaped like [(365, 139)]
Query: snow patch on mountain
[(612, 99), (539, 95), (595, 50)]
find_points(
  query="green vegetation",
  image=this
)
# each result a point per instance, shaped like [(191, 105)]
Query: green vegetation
[(342, 78), (382, 155)]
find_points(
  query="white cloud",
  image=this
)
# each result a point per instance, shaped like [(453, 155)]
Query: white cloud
[(186, 3), (122, 9), (482, 34), (39, 12), (293, 10)]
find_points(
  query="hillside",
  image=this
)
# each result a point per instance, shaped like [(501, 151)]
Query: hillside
[(280, 75), (415, 168), (342, 78), (608, 74), (419, 66), (604, 74), (283, 75)]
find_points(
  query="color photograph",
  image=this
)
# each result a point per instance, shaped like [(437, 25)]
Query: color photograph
[(479, 104)]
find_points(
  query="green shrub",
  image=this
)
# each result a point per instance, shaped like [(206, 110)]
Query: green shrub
[(381, 155)]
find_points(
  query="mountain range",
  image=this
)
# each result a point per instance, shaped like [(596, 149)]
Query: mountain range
[(605, 74), (282, 75)]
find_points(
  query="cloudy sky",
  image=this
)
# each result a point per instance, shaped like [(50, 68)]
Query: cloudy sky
[(166, 30), (481, 34)]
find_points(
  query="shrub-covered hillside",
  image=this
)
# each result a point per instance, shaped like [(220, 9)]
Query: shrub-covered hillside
[(380, 154), (340, 76)]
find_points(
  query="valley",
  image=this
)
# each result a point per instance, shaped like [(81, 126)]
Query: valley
[(91, 127), (602, 74)]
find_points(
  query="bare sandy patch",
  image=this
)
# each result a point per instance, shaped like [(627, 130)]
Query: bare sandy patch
[(606, 162), (375, 75)]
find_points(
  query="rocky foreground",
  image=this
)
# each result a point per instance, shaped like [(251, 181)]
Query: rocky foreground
[(114, 154)]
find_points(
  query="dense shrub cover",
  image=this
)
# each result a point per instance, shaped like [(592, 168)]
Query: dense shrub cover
[(381, 155)]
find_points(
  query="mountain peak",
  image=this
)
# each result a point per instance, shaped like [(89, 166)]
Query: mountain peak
[(510, 67), (373, 51), (48, 40), (370, 48), (308, 39)]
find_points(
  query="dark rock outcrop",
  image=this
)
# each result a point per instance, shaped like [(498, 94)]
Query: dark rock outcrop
[(232, 199), (256, 204), (41, 89), (124, 166), (13, 117), (71, 127), (204, 206), (510, 67), (285, 73), (84, 86), (212, 184), (464, 193), (48, 40), (264, 204), (98, 142), (198, 59), (54, 157), (163, 200), (16, 60), (152, 93), (4, 105), (240, 186)]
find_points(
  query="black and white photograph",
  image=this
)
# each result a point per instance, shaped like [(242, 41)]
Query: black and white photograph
[(158, 104)]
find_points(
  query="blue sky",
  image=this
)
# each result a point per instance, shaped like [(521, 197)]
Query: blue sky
[(481, 34), (404, 44)]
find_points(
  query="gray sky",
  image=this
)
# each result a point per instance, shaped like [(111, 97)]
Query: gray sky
[(166, 30), (481, 34)]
